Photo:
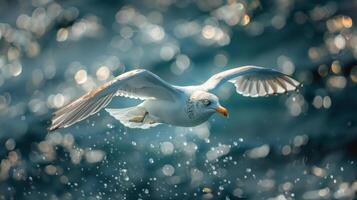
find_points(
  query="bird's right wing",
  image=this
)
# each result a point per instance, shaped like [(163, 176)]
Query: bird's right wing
[(140, 84)]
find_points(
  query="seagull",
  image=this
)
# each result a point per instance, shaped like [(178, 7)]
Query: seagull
[(163, 103)]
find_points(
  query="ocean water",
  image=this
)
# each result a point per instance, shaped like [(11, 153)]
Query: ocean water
[(300, 145)]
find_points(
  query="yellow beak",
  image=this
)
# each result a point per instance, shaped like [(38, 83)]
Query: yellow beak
[(222, 110)]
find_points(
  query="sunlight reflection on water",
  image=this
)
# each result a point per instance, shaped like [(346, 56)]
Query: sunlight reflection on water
[(295, 146)]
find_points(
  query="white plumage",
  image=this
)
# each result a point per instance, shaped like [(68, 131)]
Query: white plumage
[(165, 103)]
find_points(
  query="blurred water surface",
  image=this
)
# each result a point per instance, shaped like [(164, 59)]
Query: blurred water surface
[(296, 146)]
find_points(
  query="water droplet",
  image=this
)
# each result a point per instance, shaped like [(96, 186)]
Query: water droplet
[(110, 126), (151, 161)]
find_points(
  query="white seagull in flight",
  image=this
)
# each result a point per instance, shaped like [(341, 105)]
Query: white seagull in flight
[(165, 103)]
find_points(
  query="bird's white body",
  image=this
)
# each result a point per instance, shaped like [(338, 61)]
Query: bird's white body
[(180, 112), (177, 112), (164, 103)]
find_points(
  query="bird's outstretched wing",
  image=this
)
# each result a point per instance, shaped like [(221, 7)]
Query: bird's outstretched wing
[(253, 81), (140, 84)]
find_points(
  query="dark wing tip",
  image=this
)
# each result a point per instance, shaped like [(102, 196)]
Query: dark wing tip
[(52, 128)]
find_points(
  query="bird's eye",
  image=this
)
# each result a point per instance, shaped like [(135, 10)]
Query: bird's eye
[(206, 102)]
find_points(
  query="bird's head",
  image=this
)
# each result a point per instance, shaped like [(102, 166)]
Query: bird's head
[(204, 104)]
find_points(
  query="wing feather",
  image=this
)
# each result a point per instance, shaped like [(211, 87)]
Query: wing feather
[(257, 87), (251, 87), (253, 81), (246, 88), (273, 86), (282, 84), (266, 87), (140, 84), (242, 85)]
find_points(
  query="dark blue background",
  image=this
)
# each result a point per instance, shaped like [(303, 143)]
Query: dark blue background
[(281, 147)]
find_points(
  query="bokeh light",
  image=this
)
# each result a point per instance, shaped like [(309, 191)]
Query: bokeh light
[(301, 145)]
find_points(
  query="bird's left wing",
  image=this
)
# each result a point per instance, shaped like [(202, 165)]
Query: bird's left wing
[(253, 81), (140, 84)]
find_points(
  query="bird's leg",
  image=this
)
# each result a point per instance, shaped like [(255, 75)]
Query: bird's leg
[(138, 119)]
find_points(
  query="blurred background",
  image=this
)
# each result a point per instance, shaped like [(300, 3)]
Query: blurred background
[(302, 145)]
